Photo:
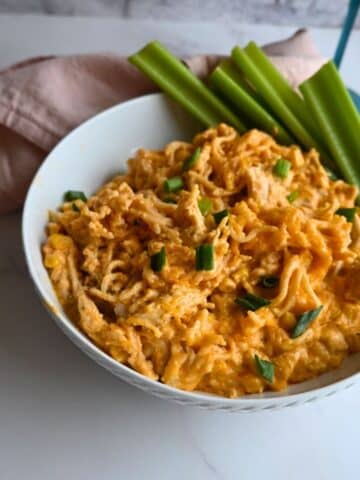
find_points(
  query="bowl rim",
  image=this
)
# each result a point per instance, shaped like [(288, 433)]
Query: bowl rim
[(125, 372)]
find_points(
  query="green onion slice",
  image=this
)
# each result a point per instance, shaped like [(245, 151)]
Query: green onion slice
[(218, 216), (205, 205), (191, 160), (269, 282), (173, 184), (72, 195), (332, 175), (252, 302), (304, 321), (157, 261), (265, 368), (75, 207), (282, 168), (204, 257), (169, 200), (293, 196), (348, 213)]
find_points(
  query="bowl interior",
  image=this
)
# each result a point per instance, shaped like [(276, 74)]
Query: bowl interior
[(88, 157)]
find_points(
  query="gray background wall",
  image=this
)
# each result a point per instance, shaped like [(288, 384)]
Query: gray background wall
[(324, 13)]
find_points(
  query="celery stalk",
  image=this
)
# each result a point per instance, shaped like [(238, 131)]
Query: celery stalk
[(288, 107), (179, 82), (337, 118), (283, 89), (226, 80), (229, 67)]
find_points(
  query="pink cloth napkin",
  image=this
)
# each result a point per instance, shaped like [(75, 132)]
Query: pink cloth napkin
[(42, 99)]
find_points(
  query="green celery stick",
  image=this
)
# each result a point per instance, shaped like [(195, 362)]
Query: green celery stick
[(337, 118), (227, 80), (267, 85), (282, 87), (170, 74), (229, 67)]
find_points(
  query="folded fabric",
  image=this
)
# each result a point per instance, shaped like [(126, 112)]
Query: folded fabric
[(43, 99)]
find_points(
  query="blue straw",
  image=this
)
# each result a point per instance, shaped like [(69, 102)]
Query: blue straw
[(343, 40), (346, 30)]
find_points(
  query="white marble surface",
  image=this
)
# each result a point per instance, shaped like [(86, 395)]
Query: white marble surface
[(63, 417)]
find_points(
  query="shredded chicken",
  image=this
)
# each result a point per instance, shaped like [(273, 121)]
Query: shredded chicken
[(181, 325)]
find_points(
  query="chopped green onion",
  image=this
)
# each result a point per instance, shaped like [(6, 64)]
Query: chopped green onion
[(293, 196), (204, 257), (282, 168), (265, 368), (269, 282), (252, 302), (280, 98), (228, 81), (173, 184), (218, 216), (170, 74), (72, 195), (75, 207), (304, 321), (338, 120), (169, 200), (348, 213), (331, 174), (205, 205), (191, 160), (157, 261)]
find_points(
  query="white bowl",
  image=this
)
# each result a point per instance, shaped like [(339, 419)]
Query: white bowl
[(84, 160)]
